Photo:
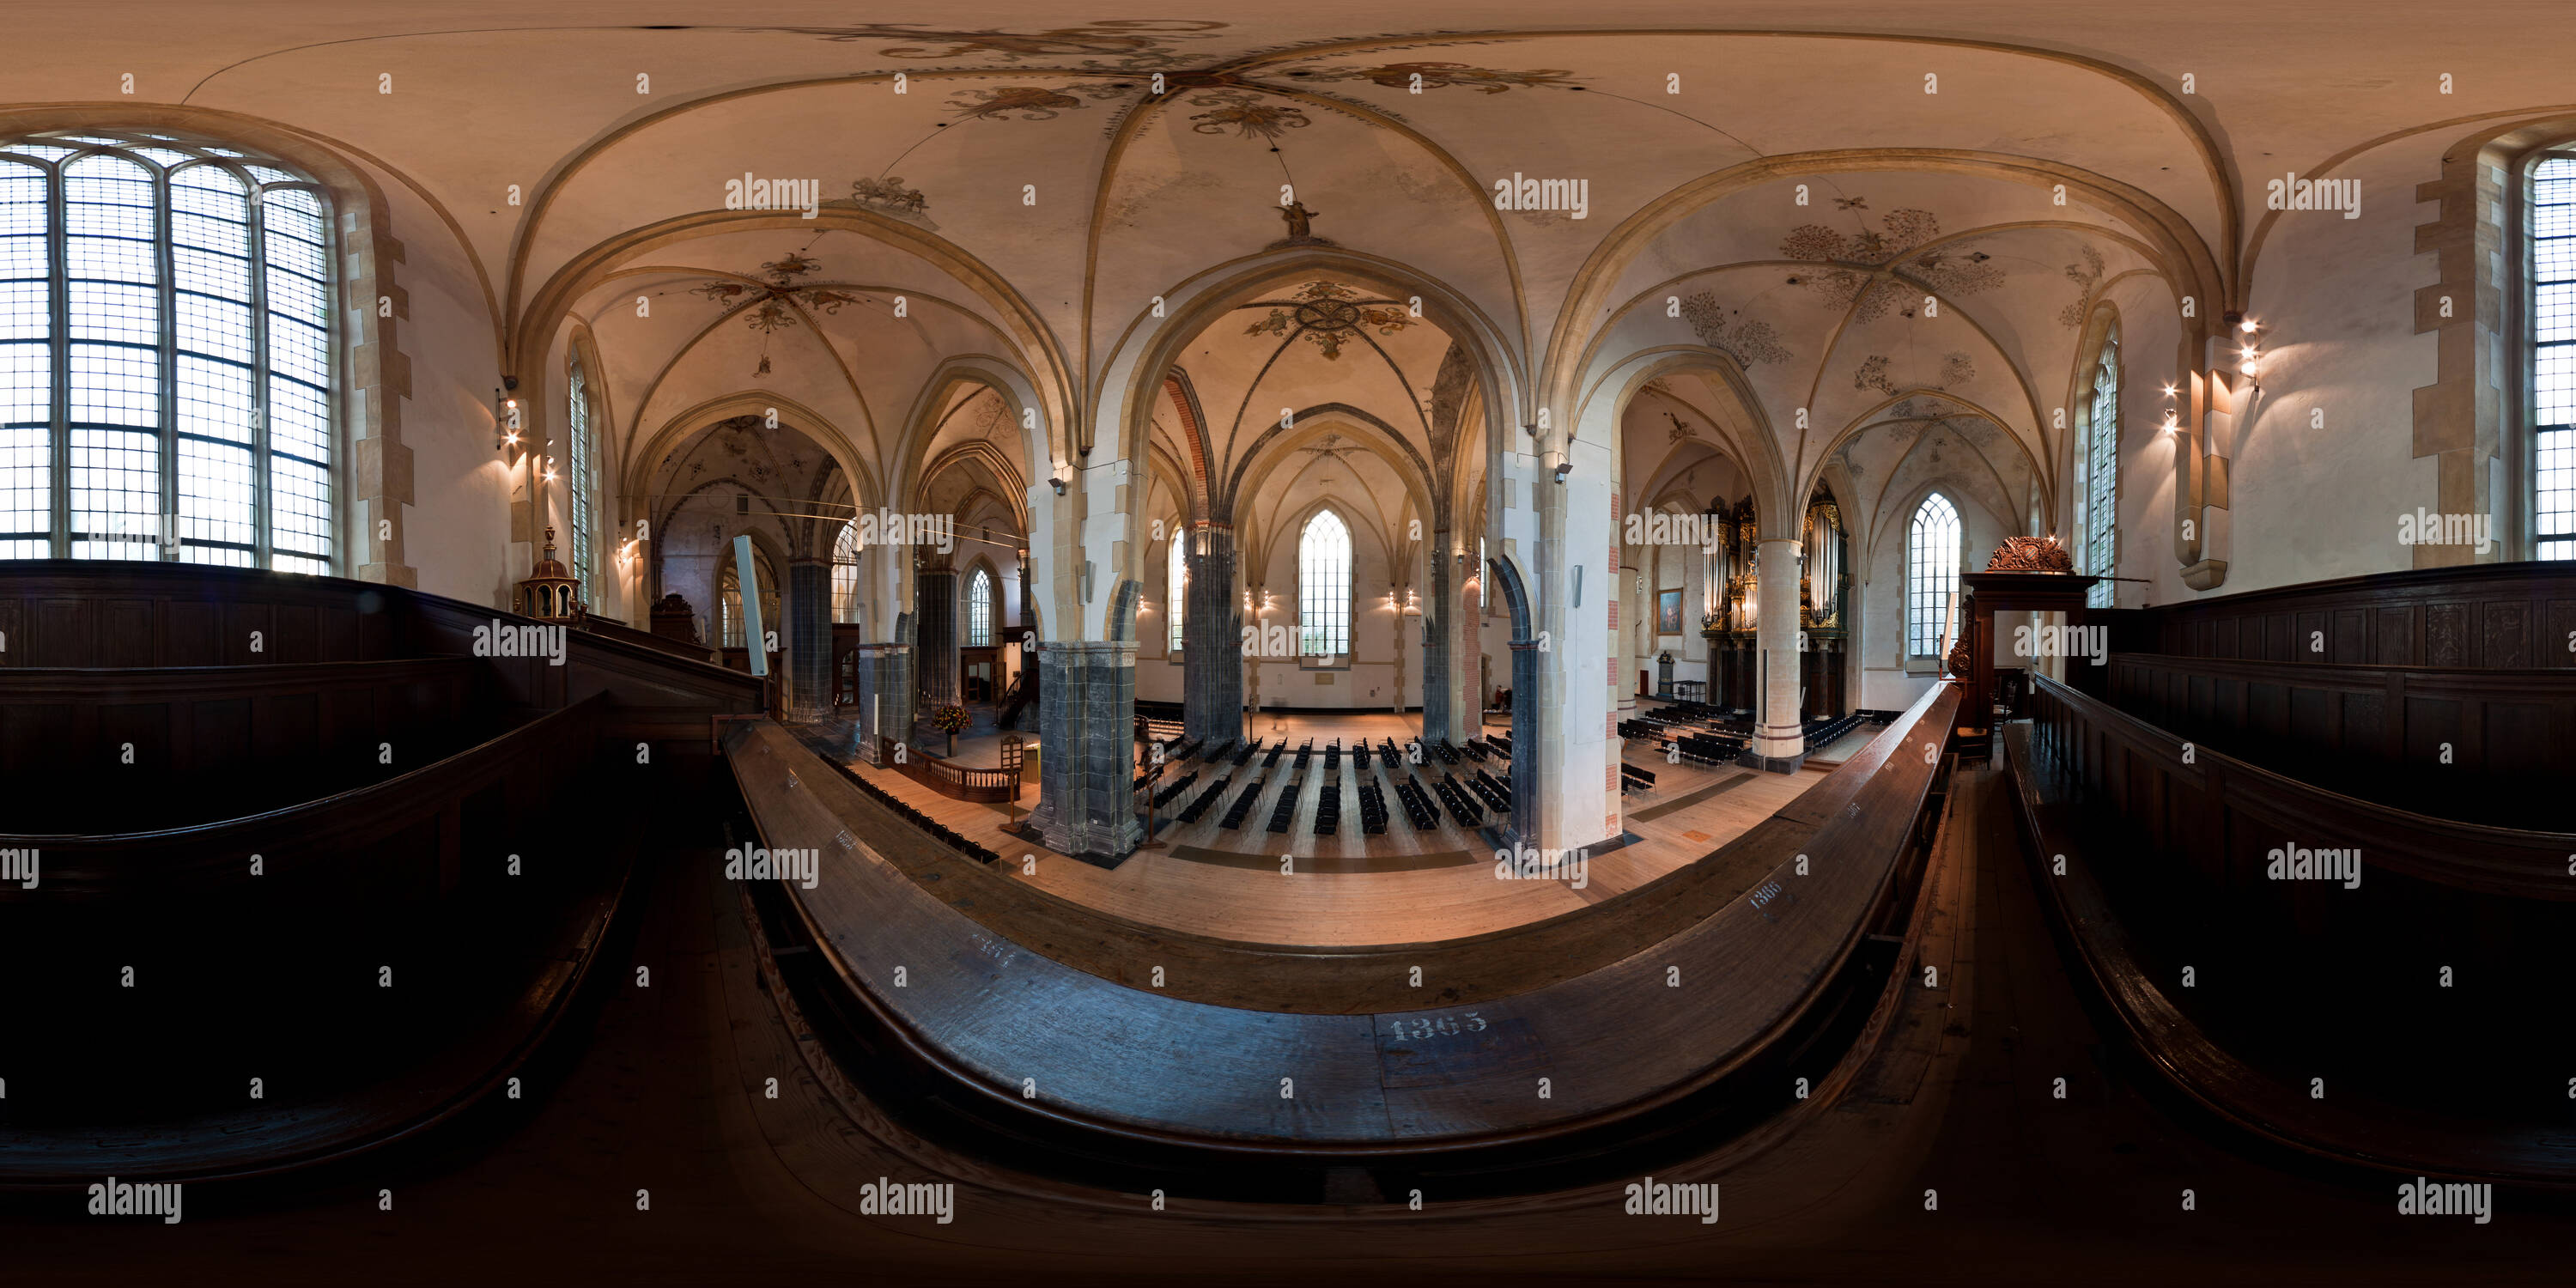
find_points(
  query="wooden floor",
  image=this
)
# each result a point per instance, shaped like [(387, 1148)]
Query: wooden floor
[(1348, 889)]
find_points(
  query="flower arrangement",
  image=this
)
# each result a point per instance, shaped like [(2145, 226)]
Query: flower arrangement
[(949, 719)]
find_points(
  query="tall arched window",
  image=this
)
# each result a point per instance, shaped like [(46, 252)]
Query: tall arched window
[(2097, 475), (577, 477), (1931, 574), (1176, 589), (979, 610), (729, 607), (165, 354), (2553, 358), (1324, 587), (845, 573)]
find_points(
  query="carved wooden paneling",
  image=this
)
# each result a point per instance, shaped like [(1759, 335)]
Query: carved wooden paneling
[(2507, 640), (2486, 615)]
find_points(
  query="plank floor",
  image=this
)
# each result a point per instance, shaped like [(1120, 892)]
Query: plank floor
[(1346, 889)]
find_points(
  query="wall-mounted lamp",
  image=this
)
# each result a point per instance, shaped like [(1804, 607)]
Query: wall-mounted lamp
[(1063, 475), (505, 419), (1557, 462)]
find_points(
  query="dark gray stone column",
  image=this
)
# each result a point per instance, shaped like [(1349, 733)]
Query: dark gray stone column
[(903, 696), (809, 639), (935, 597), (883, 680), (1212, 639), (1439, 635), (1087, 763), (1525, 736)]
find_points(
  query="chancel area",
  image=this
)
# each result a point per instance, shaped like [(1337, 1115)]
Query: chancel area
[(1840, 643)]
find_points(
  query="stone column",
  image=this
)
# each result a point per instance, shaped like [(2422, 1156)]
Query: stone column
[(935, 597), (1525, 739), (1212, 638), (902, 695), (1439, 639), (1086, 727), (884, 677), (1779, 737), (809, 639)]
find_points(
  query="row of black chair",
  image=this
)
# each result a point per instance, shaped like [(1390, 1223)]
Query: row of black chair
[(917, 818), (1333, 757), (1632, 778), (1360, 756), (1191, 812), (1234, 813), (1285, 812), (1460, 808), (1249, 750), (1328, 808), (1498, 799), (1275, 753), (1417, 804), (1174, 788), (1372, 804)]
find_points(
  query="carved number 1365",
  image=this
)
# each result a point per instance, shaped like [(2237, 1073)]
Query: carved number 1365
[(1445, 1026)]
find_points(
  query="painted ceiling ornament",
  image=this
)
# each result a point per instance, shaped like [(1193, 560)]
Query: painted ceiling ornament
[(888, 196), (777, 297), (1865, 267), (2084, 276), (1681, 428), (997, 102), (1249, 115), (1125, 41), (1484, 80), (1329, 314), (1744, 339)]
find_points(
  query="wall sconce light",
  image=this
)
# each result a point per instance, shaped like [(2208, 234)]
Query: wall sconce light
[(505, 420), (1063, 475), (1557, 462)]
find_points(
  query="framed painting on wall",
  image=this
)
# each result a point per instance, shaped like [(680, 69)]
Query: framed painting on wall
[(1668, 613)]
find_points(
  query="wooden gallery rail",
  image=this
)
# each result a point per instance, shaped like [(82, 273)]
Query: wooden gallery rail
[(1020, 1033), (2339, 976), (947, 777)]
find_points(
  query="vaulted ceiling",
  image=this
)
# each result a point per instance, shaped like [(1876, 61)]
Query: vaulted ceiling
[(1861, 204)]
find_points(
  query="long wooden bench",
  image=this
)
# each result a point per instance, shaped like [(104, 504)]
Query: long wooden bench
[(405, 837), (1024, 1031), (2416, 994)]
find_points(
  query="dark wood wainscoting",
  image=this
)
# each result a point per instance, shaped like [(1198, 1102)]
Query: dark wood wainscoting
[(2514, 615), (2482, 746), (2417, 978)]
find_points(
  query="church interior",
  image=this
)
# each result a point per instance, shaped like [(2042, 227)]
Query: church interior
[(1824, 643)]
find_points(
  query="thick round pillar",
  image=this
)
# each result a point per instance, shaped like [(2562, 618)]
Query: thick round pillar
[(935, 597), (1779, 736), (1212, 638), (809, 639)]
